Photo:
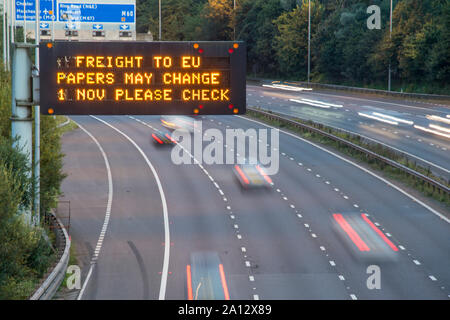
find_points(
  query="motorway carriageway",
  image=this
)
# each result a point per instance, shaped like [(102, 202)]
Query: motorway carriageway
[(396, 123), (137, 219)]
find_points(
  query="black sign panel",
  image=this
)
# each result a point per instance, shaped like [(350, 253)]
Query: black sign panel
[(142, 78)]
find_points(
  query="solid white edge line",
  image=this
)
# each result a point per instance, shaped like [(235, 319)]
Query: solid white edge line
[(359, 167), (165, 269), (107, 213)]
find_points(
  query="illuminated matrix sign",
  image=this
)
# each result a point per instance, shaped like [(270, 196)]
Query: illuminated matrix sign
[(118, 78)]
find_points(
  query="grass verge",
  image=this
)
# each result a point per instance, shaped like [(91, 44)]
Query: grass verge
[(65, 128)]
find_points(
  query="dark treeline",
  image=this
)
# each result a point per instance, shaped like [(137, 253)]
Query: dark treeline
[(343, 49)]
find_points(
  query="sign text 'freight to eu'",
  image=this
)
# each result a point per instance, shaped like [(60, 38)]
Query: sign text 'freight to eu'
[(186, 78)]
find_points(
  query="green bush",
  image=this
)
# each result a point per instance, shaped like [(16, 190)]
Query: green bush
[(51, 163), (24, 254)]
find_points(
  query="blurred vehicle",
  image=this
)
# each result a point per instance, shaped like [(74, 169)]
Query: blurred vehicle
[(162, 138), (363, 238), (178, 123), (206, 277), (252, 176)]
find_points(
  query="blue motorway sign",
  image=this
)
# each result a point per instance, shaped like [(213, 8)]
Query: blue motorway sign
[(97, 12), (46, 7)]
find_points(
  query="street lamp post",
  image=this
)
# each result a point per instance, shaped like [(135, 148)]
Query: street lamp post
[(309, 38), (234, 24), (390, 37), (4, 34), (159, 20), (24, 22), (13, 20), (37, 127)]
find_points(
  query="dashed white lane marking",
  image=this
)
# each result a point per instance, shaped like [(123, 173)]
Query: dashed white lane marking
[(299, 215), (327, 182), (243, 249), (251, 278), (165, 269), (255, 297), (332, 263), (292, 206), (107, 213), (239, 236), (322, 248), (345, 197), (353, 297), (236, 226), (247, 264)]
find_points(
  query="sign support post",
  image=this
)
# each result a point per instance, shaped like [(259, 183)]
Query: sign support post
[(37, 128), (21, 103)]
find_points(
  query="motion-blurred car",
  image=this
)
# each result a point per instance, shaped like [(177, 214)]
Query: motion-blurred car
[(364, 240), (252, 176), (162, 138), (206, 277), (178, 123)]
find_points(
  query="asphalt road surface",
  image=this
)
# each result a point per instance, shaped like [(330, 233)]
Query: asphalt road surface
[(349, 112), (283, 243)]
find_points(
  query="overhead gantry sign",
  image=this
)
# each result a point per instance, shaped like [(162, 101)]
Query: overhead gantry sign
[(142, 78)]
